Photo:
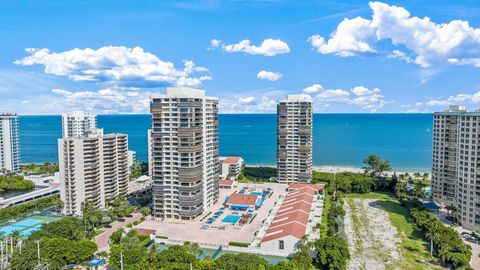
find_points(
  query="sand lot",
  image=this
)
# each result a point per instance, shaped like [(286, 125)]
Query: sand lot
[(372, 239)]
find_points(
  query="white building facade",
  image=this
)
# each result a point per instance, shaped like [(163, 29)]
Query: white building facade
[(78, 124), (184, 153), (231, 167), (456, 163), (9, 142), (294, 139), (92, 168)]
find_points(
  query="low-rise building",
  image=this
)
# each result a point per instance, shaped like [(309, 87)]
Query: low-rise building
[(293, 220), (238, 201), (231, 167), (225, 184)]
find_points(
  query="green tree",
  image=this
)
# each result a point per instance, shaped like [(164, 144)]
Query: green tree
[(134, 257), (71, 228), (242, 261), (57, 252), (376, 166), (332, 253)]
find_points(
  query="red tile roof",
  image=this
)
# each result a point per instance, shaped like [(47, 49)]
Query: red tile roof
[(293, 229), (295, 206), (292, 217), (231, 160), (312, 186), (248, 199), (225, 182)]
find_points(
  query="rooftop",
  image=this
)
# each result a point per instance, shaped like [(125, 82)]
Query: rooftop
[(298, 98), (312, 186), (247, 199), (225, 182), (231, 160)]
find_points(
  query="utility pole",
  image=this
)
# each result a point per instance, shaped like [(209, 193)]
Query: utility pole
[(38, 251), (121, 260)]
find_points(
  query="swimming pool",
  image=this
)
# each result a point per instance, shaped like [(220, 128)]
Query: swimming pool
[(26, 226), (258, 193), (231, 219)]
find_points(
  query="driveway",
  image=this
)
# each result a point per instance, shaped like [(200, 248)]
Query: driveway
[(102, 240)]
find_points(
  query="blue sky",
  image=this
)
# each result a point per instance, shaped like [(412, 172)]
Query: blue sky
[(350, 56)]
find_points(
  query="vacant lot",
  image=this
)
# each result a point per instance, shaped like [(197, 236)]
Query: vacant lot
[(381, 234)]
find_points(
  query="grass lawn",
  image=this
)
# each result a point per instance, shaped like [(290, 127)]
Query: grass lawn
[(414, 247), (326, 209)]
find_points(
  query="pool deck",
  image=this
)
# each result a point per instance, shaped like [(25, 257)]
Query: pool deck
[(178, 230)]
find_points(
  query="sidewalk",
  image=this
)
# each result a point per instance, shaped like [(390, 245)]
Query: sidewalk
[(102, 239)]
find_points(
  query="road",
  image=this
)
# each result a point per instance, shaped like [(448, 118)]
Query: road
[(102, 240)]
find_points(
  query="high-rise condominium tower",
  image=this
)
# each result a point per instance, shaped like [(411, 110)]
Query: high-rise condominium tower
[(456, 163), (9, 142), (93, 168), (294, 139), (184, 153), (77, 123)]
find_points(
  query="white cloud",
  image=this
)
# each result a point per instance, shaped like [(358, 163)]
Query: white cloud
[(400, 55), (363, 91), (313, 89), (107, 100), (269, 75), (461, 98), (215, 43), (365, 98), (351, 37), (247, 100), (431, 44), (119, 66), (269, 47)]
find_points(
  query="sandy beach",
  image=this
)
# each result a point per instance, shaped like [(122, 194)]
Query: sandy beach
[(336, 169)]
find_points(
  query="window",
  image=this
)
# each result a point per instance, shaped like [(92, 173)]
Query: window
[(281, 245)]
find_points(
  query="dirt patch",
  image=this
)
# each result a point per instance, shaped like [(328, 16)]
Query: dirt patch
[(372, 239)]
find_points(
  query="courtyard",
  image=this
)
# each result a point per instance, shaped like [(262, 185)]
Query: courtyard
[(221, 225)]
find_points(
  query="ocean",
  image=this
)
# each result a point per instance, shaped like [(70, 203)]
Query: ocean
[(338, 139)]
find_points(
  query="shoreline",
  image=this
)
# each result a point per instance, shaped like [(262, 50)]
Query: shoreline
[(340, 168)]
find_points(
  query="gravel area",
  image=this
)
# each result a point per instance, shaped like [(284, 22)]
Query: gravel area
[(372, 239)]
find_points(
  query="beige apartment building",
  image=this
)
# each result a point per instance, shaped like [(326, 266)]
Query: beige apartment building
[(93, 168), (9, 142), (184, 153), (294, 139), (456, 163)]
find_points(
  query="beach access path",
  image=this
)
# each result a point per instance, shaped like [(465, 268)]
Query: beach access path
[(102, 240)]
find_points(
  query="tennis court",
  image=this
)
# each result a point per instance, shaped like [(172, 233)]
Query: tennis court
[(26, 226)]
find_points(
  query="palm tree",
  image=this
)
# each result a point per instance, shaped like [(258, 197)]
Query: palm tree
[(425, 176)]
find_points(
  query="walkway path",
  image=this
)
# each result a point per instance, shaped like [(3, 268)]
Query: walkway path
[(102, 239)]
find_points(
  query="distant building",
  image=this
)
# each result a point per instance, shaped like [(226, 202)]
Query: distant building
[(455, 163), (231, 167), (78, 124), (132, 157), (294, 139), (93, 168), (9, 142), (184, 153)]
